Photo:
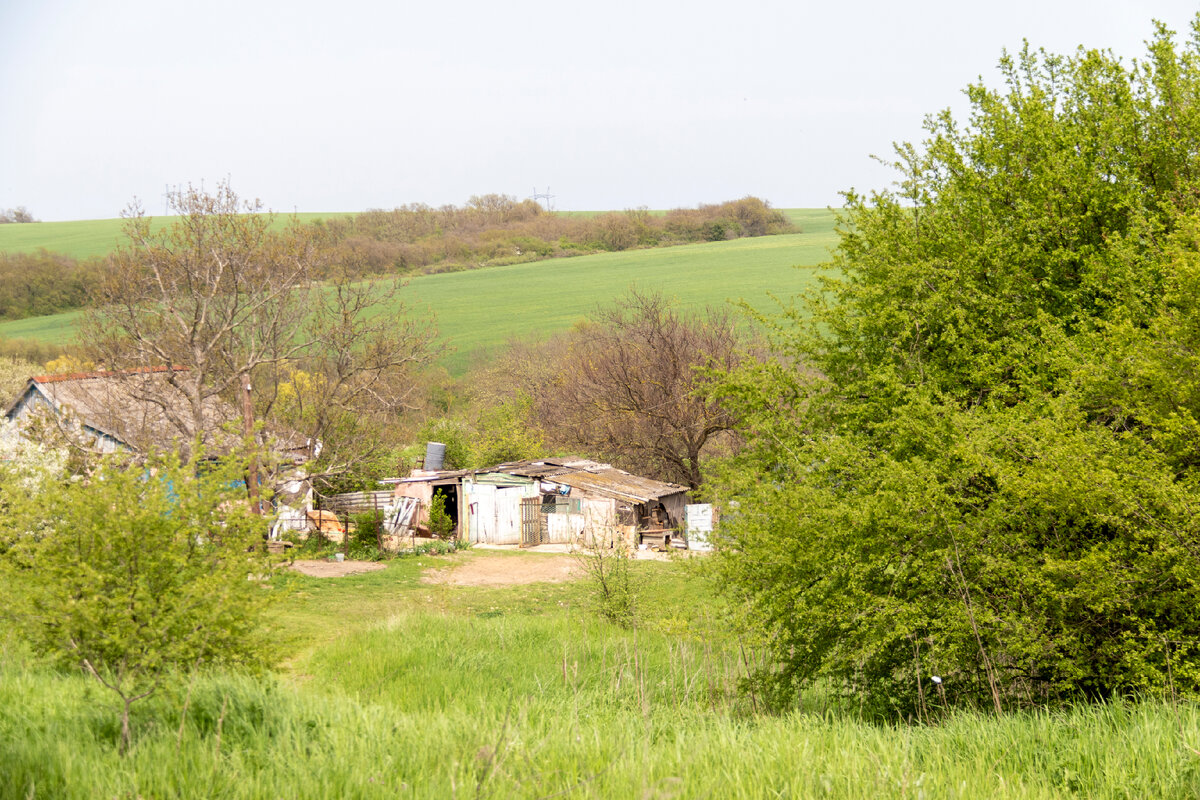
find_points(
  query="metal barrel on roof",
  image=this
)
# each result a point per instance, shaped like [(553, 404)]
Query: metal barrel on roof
[(435, 455)]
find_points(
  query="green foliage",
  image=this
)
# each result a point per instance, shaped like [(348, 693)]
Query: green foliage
[(506, 433), (441, 524), (40, 283), (496, 229), (491, 434), (364, 474), (614, 586), (139, 573), (14, 372), (33, 351), (980, 462), (457, 437), (368, 529)]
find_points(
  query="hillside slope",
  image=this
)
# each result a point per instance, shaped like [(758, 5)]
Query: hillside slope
[(478, 310)]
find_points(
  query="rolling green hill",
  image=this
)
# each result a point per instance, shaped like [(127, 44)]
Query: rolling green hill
[(93, 237), (90, 237), (479, 310)]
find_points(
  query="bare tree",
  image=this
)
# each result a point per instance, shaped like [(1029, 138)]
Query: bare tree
[(18, 214), (627, 385), (355, 377), (232, 300)]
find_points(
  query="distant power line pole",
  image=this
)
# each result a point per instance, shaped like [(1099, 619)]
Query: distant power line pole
[(536, 196)]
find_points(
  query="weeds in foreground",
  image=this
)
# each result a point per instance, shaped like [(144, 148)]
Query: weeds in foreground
[(607, 565), (409, 690)]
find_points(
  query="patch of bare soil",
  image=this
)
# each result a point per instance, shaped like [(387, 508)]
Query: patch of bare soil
[(493, 571), (334, 569)]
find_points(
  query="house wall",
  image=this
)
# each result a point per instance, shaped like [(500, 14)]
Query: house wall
[(595, 522), (565, 528), (494, 512), (421, 490), (34, 405)]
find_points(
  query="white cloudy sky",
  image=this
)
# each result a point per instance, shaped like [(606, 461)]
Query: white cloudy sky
[(322, 106)]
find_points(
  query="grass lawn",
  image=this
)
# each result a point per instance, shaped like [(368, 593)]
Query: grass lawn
[(396, 687), (477, 311)]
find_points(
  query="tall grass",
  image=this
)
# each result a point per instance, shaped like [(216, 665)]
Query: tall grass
[(399, 688)]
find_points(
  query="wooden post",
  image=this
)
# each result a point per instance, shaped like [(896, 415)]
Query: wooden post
[(248, 431)]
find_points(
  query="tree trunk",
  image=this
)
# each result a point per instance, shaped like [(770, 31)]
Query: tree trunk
[(126, 736)]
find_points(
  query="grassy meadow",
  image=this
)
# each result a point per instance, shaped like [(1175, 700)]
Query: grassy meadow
[(392, 687), (92, 237), (479, 310)]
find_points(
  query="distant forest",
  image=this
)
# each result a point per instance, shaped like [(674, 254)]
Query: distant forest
[(488, 230)]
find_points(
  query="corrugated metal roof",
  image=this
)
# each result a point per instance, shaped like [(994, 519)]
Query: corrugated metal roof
[(433, 476), (578, 473), (592, 476), (501, 479)]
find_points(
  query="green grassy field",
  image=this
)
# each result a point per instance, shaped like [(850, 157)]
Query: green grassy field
[(91, 237), (94, 237), (479, 310), (392, 687)]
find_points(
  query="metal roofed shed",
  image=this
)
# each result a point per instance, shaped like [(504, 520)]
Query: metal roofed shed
[(554, 500)]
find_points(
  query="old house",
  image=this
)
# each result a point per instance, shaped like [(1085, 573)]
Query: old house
[(134, 410), (553, 500), (137, 411)]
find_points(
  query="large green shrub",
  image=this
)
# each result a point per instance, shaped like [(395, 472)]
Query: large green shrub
[(977, 459), (367, 529), (139, 573)]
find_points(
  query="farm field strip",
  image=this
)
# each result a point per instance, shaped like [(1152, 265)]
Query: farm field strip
[(94, 237), (476, 311)]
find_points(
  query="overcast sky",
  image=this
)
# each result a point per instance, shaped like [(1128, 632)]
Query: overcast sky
[(343, 106)]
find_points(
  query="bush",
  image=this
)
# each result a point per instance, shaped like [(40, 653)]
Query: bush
[(140, 573), (610, 576), (975, 457), (367, 530)]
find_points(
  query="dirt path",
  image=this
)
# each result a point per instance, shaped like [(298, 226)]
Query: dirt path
[(334, 569), (507, 571)]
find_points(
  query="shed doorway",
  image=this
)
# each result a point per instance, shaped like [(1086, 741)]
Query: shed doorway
[(534, 530), (449, 494)]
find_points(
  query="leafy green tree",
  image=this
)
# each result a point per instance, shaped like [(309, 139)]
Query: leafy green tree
[(140, 574), (976, 455)]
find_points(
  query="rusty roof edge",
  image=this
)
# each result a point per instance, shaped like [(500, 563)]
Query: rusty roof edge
[(624, 492), (572, 471)]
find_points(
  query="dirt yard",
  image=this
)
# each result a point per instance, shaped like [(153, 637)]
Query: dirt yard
[(335, 569), (548, 565), (493, 571)]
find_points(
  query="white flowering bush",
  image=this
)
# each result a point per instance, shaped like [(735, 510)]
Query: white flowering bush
[(27, 463)]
